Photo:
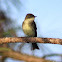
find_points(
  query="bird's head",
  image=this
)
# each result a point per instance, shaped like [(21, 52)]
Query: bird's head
[(29, 16)]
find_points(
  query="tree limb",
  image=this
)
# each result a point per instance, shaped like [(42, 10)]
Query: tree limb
[(19, 56), (30, 39)]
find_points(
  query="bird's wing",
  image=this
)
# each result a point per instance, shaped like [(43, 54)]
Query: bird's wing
[(35, 28)]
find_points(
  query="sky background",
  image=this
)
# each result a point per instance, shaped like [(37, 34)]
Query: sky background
[(49, 16), (48, 21)]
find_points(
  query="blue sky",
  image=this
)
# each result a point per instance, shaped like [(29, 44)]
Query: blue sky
[(49, 16)]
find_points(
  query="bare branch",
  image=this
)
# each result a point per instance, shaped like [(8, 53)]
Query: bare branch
[(30, 39), (50, 55), (19, 56)]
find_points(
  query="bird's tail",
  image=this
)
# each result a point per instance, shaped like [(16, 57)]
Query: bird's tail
[(34, 46)]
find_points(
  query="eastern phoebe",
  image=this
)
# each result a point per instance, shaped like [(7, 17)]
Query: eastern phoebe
[(29, 28)]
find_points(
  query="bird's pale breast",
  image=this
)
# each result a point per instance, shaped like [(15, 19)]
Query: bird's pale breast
[(28, 30)]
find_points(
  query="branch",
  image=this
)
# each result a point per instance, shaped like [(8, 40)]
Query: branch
[(19, 56), (50, 55), (30, 39)]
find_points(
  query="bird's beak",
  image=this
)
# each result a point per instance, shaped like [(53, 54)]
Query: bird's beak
[(35, 16)]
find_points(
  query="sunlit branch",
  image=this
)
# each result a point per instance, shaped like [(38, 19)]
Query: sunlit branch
[(30, 39)]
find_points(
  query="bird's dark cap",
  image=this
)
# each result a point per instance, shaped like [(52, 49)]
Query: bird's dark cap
[(29, 15)]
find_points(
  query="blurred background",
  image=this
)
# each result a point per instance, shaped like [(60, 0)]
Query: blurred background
[(48, 21)]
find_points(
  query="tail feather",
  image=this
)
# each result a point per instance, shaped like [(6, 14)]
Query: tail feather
[(34, 46)]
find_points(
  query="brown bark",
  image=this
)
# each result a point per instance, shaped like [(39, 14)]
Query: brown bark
[(19, 56), (30, 39)]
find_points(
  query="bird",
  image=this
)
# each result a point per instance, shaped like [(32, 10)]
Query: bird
[(30, 29)]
